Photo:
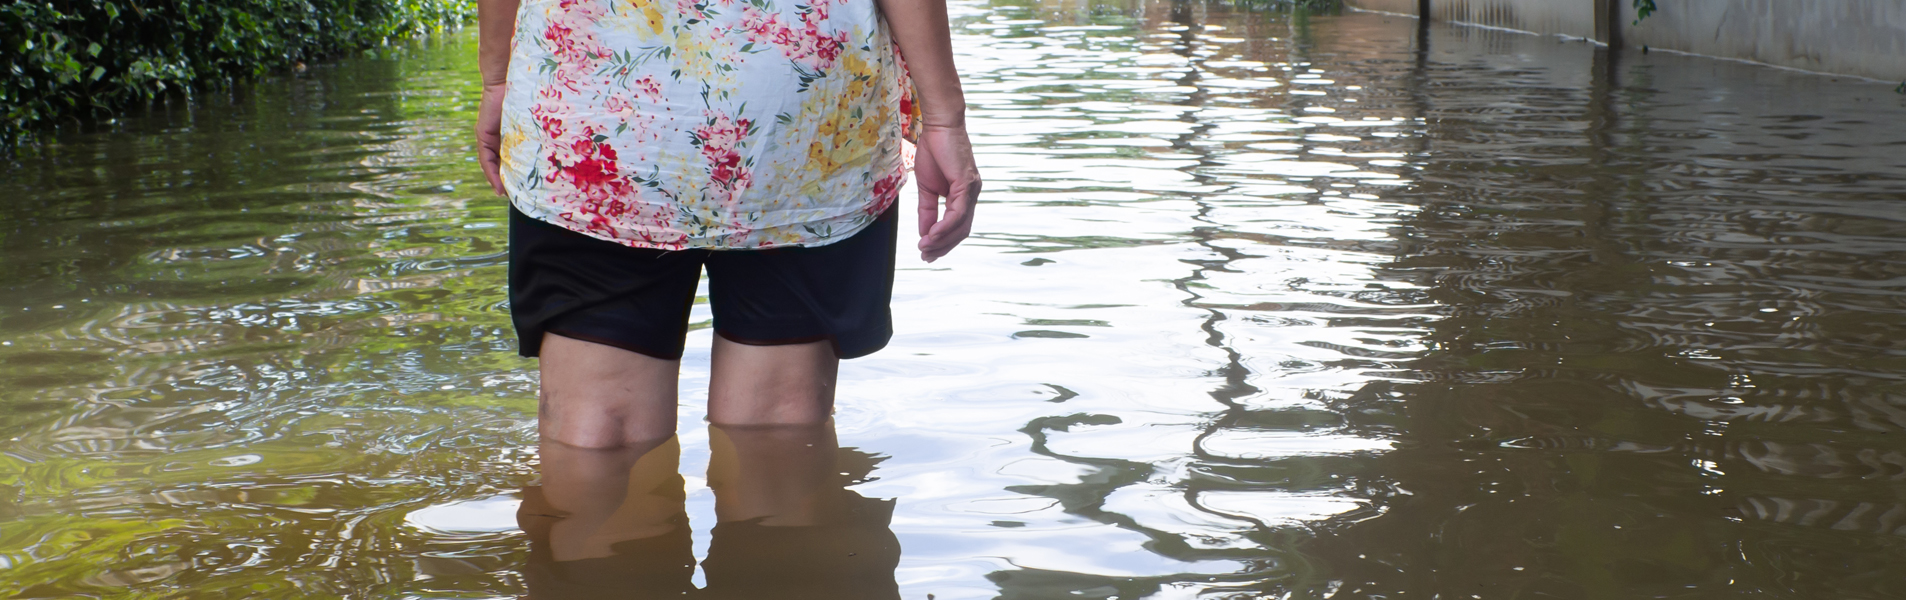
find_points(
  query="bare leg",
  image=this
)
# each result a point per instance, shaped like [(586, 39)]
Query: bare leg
[(607, 423), (771, 385), (599, 396)]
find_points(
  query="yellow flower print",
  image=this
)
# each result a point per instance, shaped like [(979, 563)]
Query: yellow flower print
[(599, 141), (512, 137), (654, 17), (856, 66), (645, 14), (870, 129), (820, 159), (843, 154), (696, 49)]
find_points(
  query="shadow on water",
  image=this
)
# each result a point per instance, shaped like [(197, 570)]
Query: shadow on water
[(1262, 304)]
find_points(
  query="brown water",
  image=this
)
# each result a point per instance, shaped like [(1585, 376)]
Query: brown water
[(1261, 306)]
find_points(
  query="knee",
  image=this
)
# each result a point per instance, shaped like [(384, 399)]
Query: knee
[(588, 436), (598, 426), (788, 406)]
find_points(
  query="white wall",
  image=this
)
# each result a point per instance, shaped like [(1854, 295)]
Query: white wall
[(1567, 17), (1853, 37)]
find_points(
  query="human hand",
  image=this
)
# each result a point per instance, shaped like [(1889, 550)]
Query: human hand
[(489, 135), (943, 168)]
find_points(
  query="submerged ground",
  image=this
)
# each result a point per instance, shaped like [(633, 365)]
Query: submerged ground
[(1259, 305)]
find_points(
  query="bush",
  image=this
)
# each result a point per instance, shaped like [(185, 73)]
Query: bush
[(73, 60)]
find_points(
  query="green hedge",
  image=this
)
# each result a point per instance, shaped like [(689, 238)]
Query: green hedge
[(71, 60)]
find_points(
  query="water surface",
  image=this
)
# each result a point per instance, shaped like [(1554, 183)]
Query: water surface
[(1261, 305)]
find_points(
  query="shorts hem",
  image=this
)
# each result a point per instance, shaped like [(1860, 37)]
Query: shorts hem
[(832, 340), (596, 339)]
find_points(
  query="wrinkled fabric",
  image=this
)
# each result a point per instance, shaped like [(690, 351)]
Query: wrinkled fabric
[(638, 299), (718, 124)]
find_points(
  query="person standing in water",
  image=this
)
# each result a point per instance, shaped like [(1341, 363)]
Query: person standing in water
[(641, 141)]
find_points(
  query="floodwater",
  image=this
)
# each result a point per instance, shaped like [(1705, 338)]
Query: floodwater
[(1261, 305)]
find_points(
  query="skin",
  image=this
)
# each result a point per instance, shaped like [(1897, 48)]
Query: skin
[(596, 396), (496, 24), (943, 167)]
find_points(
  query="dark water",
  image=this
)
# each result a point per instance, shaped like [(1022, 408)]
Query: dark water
[(1261, 306)]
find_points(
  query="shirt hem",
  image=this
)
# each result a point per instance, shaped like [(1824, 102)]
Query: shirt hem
[(871, 211)]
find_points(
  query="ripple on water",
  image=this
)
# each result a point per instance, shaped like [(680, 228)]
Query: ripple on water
[(1258, 305)]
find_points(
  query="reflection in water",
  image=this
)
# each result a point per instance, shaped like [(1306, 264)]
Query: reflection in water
[(1261, 304), (612, 523), (608, 522)]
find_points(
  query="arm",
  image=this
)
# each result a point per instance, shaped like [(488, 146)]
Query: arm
[(496, 23), (943, 167)]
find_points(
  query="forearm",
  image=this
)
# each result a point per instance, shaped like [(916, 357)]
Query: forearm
[(496, 23), (920, 28)]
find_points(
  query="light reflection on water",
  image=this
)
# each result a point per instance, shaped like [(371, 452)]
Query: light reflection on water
[(1260, 304)]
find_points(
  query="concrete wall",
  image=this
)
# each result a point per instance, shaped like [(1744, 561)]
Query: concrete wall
[(1854, 37), (1566, 17)]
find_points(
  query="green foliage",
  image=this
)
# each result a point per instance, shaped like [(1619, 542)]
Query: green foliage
[(1643, 8), (64, 60)]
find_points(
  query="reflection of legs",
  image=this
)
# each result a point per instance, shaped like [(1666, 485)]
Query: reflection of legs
[(608, 523), (787, 527), (600, 396), (599, 497), (779, 474), (790, 384)]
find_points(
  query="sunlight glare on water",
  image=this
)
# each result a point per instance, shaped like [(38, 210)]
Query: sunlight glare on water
[(1260, 304)]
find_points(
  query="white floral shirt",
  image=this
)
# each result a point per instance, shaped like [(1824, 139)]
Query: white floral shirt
[(675, 124)]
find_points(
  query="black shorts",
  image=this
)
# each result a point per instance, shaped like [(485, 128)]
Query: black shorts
[(637, 299)]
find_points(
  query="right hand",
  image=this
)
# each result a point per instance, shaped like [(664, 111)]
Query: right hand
[(943, 168), (489, 135)]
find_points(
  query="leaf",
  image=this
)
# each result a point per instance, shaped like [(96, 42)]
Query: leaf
[(97, 72), (1643, 9), (93, 48)]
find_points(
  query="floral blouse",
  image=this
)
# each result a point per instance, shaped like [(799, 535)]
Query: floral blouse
[(676, 124)]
